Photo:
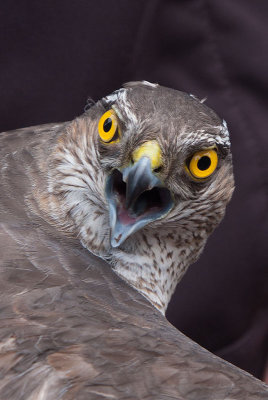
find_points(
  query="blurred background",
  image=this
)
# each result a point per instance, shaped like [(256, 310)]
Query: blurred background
[(54, 54)]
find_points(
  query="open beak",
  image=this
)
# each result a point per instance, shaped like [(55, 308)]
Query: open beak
[(136, 197)]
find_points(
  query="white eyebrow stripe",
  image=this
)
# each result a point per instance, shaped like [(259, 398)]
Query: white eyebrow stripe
[(202, 138), (115, 96)]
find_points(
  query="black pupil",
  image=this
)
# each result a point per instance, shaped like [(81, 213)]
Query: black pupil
[(204, 163), (107, 124)]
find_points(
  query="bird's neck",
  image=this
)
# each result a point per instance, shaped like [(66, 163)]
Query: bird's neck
[(156, 264)]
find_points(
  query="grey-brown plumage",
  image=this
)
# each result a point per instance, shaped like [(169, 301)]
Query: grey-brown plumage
[(70, 328)]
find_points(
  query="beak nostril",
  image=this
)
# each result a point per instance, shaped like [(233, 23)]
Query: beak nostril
[(158, 169)]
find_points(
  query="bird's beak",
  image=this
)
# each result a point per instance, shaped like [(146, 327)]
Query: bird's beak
[(135, 195)]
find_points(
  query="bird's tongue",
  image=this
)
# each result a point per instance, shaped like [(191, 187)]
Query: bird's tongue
[(147, 207), (124, 217), (130, 216)]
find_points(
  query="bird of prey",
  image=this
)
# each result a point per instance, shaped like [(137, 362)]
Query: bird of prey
[(100, 218)]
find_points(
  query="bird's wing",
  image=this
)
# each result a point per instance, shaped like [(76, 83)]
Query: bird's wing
[(70, 328)]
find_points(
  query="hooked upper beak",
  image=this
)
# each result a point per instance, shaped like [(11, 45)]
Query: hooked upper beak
[(136, 196), (139, 178)]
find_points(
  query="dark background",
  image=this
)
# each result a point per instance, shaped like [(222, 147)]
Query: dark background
[(56, 54)]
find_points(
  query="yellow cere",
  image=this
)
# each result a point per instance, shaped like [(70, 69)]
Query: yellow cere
[(150, 149), (203, 163), (108, 127)]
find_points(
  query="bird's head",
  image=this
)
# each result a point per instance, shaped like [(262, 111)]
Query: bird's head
[(162, 151), (154, 177)]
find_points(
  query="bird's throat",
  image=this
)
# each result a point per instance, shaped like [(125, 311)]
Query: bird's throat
[(156, 265)]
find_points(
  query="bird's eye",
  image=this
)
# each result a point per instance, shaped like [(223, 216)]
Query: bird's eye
[(203, 163), (108, 127)]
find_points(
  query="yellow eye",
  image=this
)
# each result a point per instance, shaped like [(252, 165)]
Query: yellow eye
[(203, 163), (108, 127)]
